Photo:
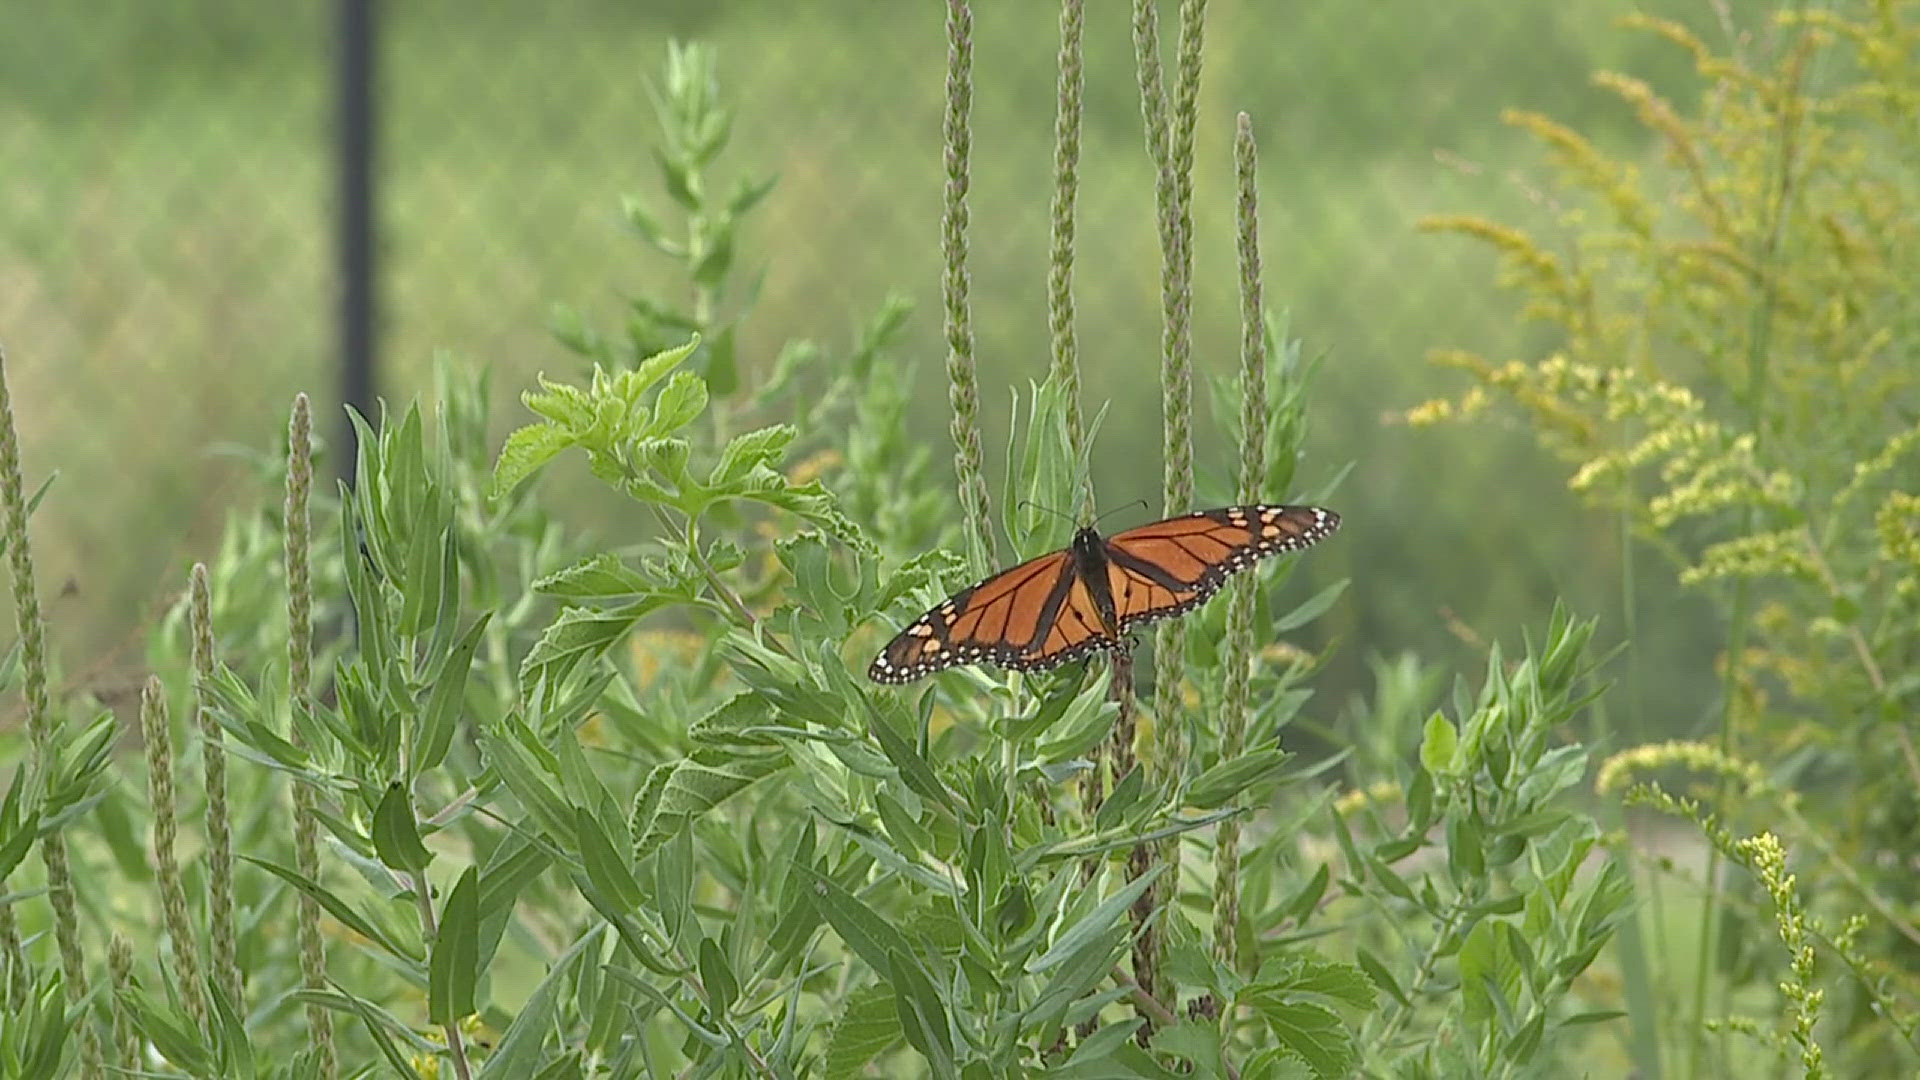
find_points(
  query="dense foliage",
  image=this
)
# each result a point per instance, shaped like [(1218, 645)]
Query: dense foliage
[(436, 784)]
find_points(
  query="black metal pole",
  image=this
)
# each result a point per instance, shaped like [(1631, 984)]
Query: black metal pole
[(355, 119)]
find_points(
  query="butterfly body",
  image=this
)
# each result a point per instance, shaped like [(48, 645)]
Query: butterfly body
[(1085, 597)]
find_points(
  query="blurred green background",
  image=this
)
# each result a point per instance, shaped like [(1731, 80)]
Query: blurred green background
[(166, 277)]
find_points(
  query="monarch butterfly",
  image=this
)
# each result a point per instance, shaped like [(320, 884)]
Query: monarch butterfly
[(1083, 598)]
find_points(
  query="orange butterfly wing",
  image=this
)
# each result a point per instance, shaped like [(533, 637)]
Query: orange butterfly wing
[(1035, 615), (1042, 613), (1161, 570)]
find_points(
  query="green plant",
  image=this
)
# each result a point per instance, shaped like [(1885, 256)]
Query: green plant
[(1731, 376), (510, 804)]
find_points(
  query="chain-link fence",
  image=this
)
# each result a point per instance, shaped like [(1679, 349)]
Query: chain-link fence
[(168, 221)]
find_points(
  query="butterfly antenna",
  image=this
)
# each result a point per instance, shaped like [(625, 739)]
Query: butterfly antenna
[(1141, 503), (1048, 509)]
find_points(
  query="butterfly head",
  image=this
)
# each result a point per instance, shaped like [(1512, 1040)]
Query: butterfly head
[(1086, 545)]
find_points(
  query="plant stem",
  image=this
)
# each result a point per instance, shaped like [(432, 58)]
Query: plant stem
[(42, 724), (1420, 976), (1759, 341), (456, 1047)]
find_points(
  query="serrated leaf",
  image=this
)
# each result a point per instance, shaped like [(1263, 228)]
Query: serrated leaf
[(631, 384), (691, 788), (1311, 1031), (580, 635), (868, 1024), (744, 452), (603, 577), (682, 400), (1344, 983), (523, 454)]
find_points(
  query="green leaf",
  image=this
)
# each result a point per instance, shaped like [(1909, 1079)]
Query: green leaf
[(1309, 1030), (1224, 782), (523, 454), (747, 194), (229, 1030), (396, 835), (722, 987), (527, 775), (692, 787), (1104, 1041), (580, 635), (606, 867), (420, 600), (869, 936), (722, 369), (1389, 880), (680, 402), (20, 834), (1381, 977), (454, 967), (867, 1025), (646, 224), (914, 770), (631, 384), (1466, 860), (1308, 898), (434, 735), (515, 863), (1124, 795), (1487, 971), (1344, 983), (338, 909), (381, 1026), (923, 1017), (519, 1051), (744, 452), (602, 578), (1600, 1017), (1439, 745), (186, 1048), (673, 885), (1526, 1041), (1310, 609), (1096, 922)]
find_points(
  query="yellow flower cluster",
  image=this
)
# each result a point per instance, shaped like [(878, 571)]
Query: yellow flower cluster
[(1768, 859), (1617, 771)]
